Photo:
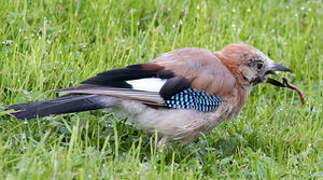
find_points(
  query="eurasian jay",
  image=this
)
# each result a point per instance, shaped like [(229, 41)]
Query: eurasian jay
[(181, 94)]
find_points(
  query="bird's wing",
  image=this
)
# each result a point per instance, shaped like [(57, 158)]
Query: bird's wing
[(147, 97), (184, 78), (140, 82)]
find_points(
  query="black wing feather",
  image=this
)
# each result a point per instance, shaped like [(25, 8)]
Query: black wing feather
[(118, 77), (173, 86)]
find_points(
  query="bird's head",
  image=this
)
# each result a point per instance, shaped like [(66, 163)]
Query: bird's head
[(249, 65)]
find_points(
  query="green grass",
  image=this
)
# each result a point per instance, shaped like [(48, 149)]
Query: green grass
[(47, 45)]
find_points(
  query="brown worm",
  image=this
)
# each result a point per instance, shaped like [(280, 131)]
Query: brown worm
[(291, 86)]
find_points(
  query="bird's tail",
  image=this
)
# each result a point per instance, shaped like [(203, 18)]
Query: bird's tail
[(64, 104)]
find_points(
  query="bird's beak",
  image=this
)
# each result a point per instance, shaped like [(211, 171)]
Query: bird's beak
[(272, 70), (278, 67)]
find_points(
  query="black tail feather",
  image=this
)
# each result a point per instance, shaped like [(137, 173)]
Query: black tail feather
[(61, 105)]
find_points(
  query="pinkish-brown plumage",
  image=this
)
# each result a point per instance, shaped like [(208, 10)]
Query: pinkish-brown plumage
[(181, 94)]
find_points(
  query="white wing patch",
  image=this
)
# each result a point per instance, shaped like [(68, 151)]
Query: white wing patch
[(147, 84)]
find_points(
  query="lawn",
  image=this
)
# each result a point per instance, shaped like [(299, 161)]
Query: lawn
[(46, 45)]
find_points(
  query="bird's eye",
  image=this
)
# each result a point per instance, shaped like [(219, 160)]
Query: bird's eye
[(259, 66)]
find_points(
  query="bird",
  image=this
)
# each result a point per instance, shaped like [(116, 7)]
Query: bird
[(180, 94)]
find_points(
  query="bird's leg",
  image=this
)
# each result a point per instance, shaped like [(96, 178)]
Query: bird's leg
[(162, 144)]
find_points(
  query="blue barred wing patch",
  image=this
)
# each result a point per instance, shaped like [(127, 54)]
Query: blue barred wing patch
[(194, 99)]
